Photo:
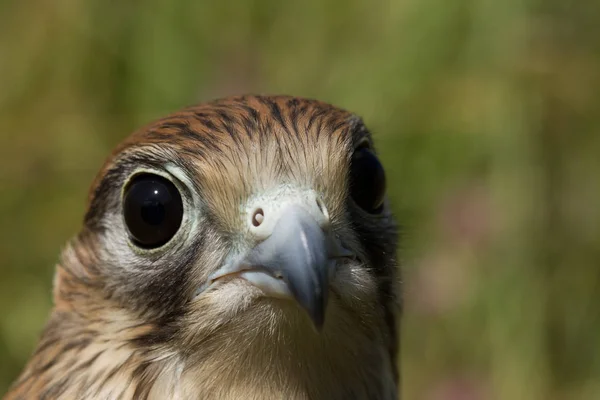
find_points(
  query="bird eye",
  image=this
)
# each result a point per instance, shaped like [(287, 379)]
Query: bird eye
[(152, 209), (367, 181)]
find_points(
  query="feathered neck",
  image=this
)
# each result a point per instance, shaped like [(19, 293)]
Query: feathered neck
[(98, 359)]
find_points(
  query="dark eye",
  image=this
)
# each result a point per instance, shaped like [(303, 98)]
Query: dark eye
[(152, 209), (367, 181)]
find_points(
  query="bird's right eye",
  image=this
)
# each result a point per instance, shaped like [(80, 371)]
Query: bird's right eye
[(152, 210)]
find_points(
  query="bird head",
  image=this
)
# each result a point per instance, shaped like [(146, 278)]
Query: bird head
[(244, 218)]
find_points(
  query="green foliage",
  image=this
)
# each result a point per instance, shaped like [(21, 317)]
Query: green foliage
[(485, 113)]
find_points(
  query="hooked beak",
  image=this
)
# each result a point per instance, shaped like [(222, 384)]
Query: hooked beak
[(294, 261)]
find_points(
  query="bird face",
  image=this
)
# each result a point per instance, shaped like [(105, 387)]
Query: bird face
[(248, 230), (270, 205)]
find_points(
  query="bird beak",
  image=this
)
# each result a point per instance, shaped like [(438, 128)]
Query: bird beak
[(297, 252), (295, 261)]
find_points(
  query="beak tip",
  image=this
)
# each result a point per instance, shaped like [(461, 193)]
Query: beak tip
[(318, 320), (316, 313)]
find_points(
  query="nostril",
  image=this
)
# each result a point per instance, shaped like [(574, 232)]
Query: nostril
[(257, 217)]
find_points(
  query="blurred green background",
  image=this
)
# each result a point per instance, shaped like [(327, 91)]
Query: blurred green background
[(486, 114)]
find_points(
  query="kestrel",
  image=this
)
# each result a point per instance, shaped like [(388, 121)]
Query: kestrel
[(238, 249)]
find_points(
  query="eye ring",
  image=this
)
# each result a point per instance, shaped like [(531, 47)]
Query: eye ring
[(367, 179), (152, 210)]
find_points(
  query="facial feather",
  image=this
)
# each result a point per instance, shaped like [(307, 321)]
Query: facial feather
[(127, 321)]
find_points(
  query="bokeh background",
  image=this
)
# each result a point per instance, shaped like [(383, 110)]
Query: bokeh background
[(486, 114)]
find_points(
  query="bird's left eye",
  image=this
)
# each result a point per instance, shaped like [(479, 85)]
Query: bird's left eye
[(152, 209), (367, 181)]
